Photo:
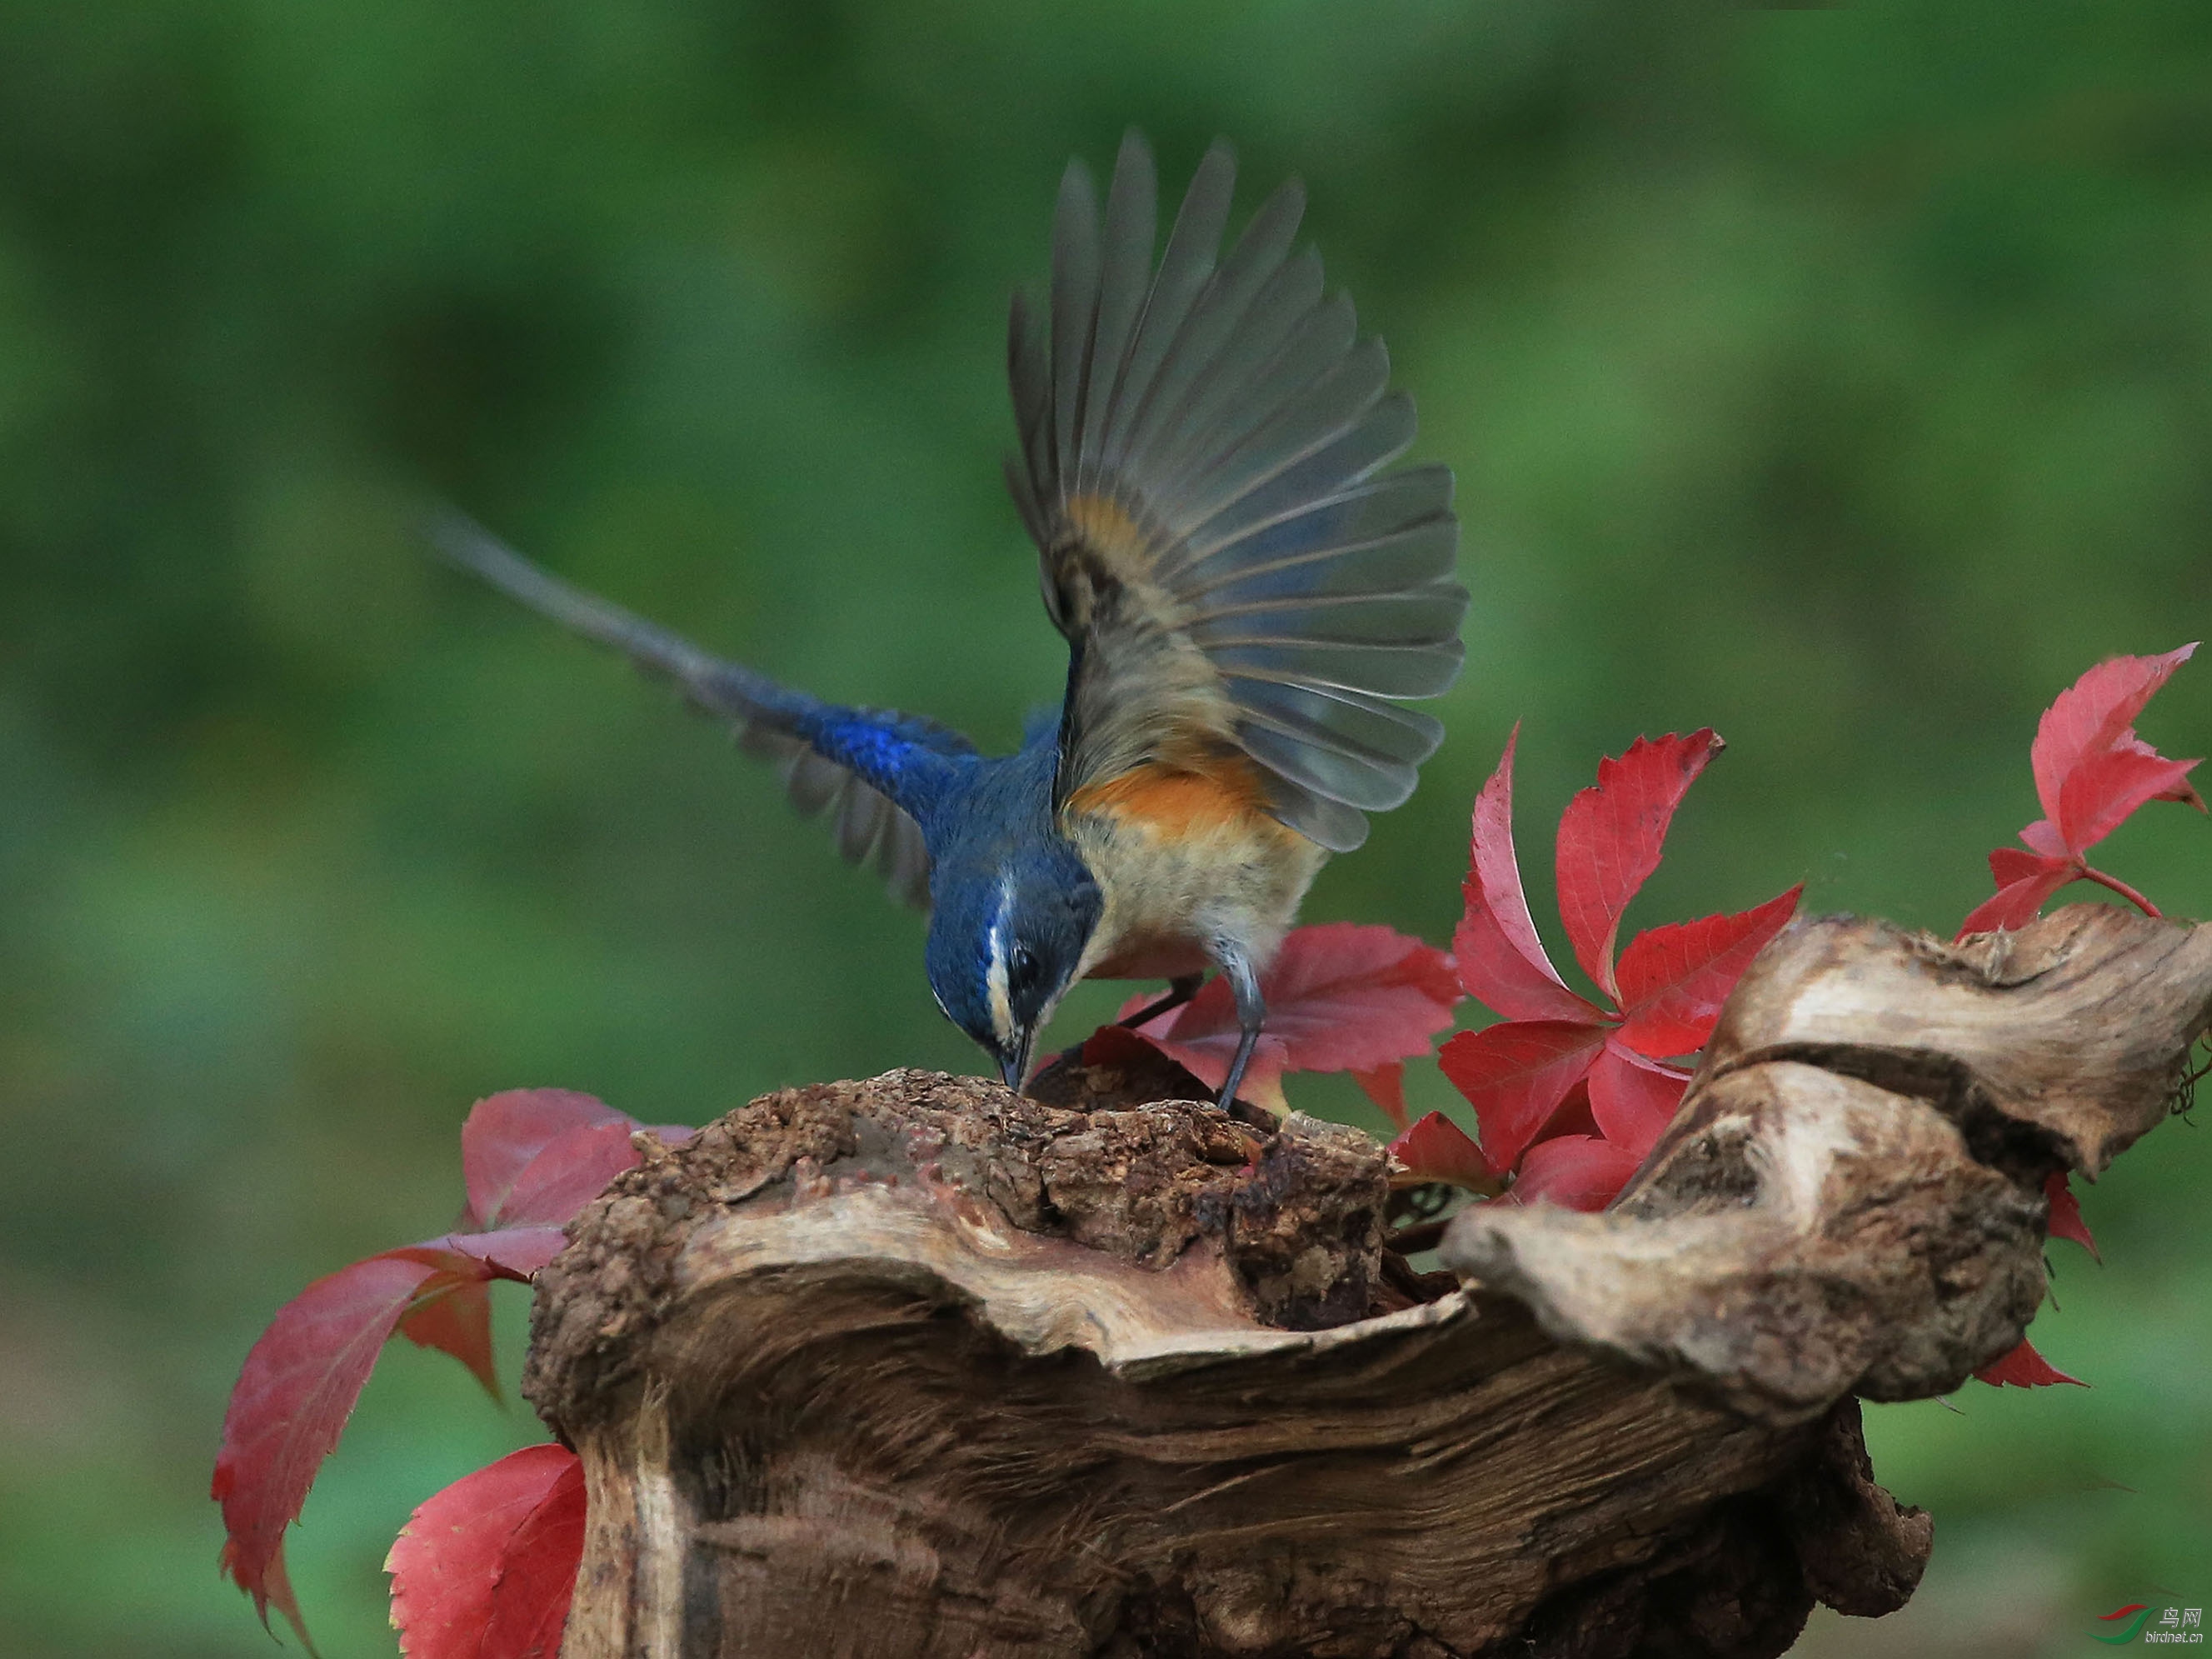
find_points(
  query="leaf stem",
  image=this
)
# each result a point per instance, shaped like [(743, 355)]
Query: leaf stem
[(2125, 892)]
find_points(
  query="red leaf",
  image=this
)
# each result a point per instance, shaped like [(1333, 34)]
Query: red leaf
[(1500, 959), (2092, 772), (2066, 1212), (538, 1574), (515, 1253), (2094, 716), (1573, 1117), (506, 1133), (538, 1156), (1438, 1149), (1580, 1172), (1341, 997), (1115, 1045), (1633, 1099), (531, 1159), (2026, 881), (1611, 837), (569, 1174), (457, 1323), (272, 1587), (2009, 864), (1515, 1074), (1386, 1086), (2024, 1368), (1674, 979), (298, 1386), (1201, 1036), (2101, 792), (486, 1569)]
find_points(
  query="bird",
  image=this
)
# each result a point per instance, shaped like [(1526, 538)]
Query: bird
[(1248, 589)]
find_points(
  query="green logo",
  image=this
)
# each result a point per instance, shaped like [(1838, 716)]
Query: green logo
[(2153, 1626), (2135, 1613)]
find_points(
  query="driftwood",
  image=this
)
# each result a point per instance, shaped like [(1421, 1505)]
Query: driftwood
[(917, 1366)]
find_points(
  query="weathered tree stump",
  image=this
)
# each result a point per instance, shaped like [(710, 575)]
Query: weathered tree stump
[(918, 1366)]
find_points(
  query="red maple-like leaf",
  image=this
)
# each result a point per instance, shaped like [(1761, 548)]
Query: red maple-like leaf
[(1581, 1172), (1500, 959), (2024, 1368), (1611, 837), (486, 1569), (531, 1159), (1386, 1086), (2092, 772), (2066, 1212), (1674, 979), (1438, 1149), (506, 1138), (298, 1386), (1341, 997), (1632, 1097), (458, 1323), (1661, 995), (1516, 1073)]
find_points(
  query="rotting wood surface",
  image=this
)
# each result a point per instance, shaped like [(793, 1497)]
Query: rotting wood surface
[(917, 1366)]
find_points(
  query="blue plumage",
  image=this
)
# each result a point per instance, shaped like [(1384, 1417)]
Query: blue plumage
[(1244, 589), (883, 752), (1013, 903)]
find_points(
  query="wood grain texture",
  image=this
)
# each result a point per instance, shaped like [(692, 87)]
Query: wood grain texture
[(918, 1366), (1851, 1197)]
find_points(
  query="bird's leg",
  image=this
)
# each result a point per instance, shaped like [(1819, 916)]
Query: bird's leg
[(1181, 989), (1251, 1013)]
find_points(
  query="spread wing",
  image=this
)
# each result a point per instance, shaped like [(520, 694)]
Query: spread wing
[(812, 743), (1202, 448), (869, 828)]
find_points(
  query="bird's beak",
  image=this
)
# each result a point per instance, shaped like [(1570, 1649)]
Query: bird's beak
[(1014, 1063)]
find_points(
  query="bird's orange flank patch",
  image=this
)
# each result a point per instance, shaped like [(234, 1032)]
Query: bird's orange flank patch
[(1178, 802)]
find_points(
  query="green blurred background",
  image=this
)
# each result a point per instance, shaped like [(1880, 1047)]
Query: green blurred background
[(1842, 380)]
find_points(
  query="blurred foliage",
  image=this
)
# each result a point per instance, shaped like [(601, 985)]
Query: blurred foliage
[(1840, 378)]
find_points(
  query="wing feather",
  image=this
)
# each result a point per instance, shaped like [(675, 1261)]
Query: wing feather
[(1324, 408), (1201, 463), (1402, 522), (1253, 278), (1403, 559), (1074, 311), (1290, 334), (1325, 768), (1284, 477), (1132, 214), (1366, 725), (768, 720), (1185, 269), (1385, 671), (1343, 619)]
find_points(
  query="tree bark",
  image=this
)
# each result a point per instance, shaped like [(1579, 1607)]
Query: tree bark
[(919, 1366)]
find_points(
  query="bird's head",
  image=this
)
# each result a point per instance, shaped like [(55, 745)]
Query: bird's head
[(1006, 937)]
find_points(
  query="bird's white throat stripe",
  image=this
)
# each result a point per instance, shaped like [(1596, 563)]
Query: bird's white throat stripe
[(1002, 1005)]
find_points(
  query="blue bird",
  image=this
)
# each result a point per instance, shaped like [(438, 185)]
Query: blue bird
[(1244, 592)]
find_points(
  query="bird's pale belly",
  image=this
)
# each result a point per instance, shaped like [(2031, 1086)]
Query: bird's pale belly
[(1185, 863)]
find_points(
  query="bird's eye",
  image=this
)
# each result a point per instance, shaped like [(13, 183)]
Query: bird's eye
[(1021, 969)]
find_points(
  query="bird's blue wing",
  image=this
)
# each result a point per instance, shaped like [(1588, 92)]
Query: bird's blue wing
[(1202, 446), (871, 771)]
